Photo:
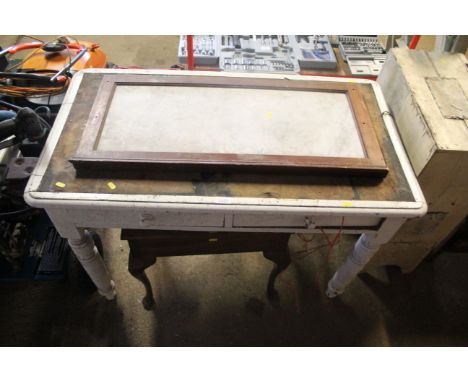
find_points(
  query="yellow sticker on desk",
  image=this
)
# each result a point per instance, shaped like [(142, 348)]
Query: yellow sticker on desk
[(347, 204), (60, 184), (111, 185), (269, 115)]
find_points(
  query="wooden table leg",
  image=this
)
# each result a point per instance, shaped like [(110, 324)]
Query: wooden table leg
[(137, 263), (282, 260)]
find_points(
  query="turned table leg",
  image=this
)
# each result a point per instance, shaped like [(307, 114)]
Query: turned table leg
[(359, 256), (366, 247), (88, 255)]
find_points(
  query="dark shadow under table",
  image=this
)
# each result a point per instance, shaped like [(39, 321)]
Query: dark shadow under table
[(147, 245)]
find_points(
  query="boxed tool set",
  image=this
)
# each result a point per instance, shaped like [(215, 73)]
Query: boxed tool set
[(261, 53), (314, 52), (257, 53), (205, 50), (365, 55)]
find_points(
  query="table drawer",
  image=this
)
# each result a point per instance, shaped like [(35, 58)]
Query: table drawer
[(145, 219), (268, 220), (181, 219), (301, 221), (162, 219)]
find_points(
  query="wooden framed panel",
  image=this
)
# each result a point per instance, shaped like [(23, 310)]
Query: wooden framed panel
[(145, 124)]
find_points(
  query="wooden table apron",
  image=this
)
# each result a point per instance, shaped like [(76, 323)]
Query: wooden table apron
[(374, 207)]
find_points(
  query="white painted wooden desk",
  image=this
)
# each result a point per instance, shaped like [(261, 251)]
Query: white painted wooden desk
[(374, 208)]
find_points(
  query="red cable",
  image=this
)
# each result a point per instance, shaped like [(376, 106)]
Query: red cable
[(330, 243), (308, 251), (414, 42), (190, 58)]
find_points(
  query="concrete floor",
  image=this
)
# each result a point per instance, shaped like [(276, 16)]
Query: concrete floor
[(147, 51), (220, 300)]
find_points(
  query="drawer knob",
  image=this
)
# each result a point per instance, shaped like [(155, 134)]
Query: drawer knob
[(309, 223)]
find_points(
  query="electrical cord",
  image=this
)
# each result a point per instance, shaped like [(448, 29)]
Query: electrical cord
[(44, 123), (44, 110), (330, 243), (31, 37), (34, 54), (308, 251), (9, 105), (23, 61), (33, 90), (5, 215)]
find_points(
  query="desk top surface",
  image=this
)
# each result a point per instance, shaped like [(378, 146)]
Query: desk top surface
[(55, 177)]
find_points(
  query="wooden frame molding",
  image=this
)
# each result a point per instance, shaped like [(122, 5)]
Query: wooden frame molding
[(88, 159)]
